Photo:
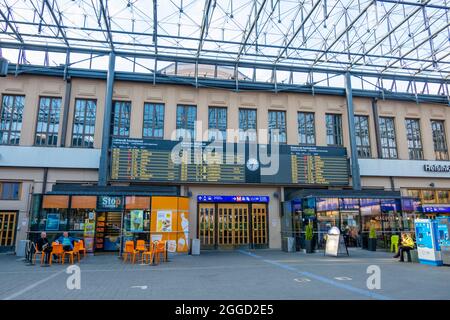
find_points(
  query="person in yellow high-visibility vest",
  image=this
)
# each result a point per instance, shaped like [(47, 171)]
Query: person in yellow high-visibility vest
[(406, 244)]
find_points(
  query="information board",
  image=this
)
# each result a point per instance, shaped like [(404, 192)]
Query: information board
[(151, 161)]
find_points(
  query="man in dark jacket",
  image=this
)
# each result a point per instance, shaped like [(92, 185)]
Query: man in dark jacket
[(43, 245)]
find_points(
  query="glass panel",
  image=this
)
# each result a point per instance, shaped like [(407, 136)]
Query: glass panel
[(277, 126), (11, 115), (414, 139), (439, 140), (334, 129), (247, 124), (306, 128), (153, 126), (362, 136), (387, 137), (84, 123), (48, 121), (186, 118)]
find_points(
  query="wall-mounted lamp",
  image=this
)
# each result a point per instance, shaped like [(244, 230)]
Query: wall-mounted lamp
[(432, 184)]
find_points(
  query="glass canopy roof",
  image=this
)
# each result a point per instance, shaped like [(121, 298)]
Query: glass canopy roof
[(386, 40)]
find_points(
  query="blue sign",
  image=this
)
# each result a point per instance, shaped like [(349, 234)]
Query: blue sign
[(233, 199), (436, 209), (52, 223)]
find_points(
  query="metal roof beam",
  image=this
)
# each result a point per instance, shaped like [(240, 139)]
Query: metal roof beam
[(302, 24), (107, 24), (60, 29), (344, 32), (246, 34), (417, 46), (10, 25), (409, 16), (205, 24)]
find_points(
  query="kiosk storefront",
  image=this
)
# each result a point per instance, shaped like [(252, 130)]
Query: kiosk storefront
[(104, 222)]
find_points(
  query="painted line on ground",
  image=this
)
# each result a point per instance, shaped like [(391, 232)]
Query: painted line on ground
[(336, 284), (34, 285)]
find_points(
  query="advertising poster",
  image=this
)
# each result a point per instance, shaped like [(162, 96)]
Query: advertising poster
[(89, 233), (136, 220), (52, 222), (171, 246), (164, 221)]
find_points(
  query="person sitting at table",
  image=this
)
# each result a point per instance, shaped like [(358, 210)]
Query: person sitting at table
[(406, 244), (66, 241), (43, 245)]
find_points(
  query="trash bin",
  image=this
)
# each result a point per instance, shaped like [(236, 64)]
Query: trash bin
[(288, 244), (195, 247), (20, 251)]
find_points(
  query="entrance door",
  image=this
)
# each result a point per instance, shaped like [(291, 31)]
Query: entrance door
[(206, 225), (7, 229), (108, 227), (233, 228), (259, 225)]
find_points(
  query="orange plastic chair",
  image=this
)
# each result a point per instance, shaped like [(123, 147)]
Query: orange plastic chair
[(148, 254), (82, 249), (160, 249), (71, 254), (36, 253), (140, 246), (57, 249), (129, 252)]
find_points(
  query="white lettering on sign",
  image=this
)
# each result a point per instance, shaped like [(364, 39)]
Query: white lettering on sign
[(436, 168)]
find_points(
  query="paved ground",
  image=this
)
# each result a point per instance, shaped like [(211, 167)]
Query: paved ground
[(261, 274)]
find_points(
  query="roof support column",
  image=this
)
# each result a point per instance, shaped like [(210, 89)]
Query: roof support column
[(104, 156), (356, 178)]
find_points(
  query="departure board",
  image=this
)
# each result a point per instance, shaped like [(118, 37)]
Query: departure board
[(177, 162)]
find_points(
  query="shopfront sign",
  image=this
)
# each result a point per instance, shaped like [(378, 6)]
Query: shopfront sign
[(436, 168), (436, 209), (233, 199), (109, 203)]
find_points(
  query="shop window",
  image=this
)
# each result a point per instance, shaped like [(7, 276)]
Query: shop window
[(362, 136), (443, 196), (428, 196), (11, 115), (439, 140), (137, 218), (186, 118), (84, 123), (153, 121), (414, 139), (414, 193), (217, 123), (247, 124), (387, 137), (370, 214), (10, 190), (48, 122), (306, 128), (277, 126), (121, 119), (334, 129), (54, 215)]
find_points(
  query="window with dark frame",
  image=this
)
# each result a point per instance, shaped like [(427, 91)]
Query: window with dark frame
[(11, 115), (247, 124), (84, 123), (186, 118), (306, 128), (414, 139), (121, 119), (362, 136), (334, 129), (217, 122), (48, 122), (153, 127), (10, 190), (439, 139), (387, 138), (277, 121)]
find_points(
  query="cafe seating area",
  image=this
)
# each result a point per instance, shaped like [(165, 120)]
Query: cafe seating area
[(78, 252), (148, 253)]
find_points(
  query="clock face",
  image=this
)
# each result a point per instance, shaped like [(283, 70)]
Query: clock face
[(252, 164)]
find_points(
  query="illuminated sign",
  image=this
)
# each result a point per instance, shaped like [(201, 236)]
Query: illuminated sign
[(237, 199)]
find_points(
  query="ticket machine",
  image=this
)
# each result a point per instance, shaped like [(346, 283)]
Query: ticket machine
[(427, 239), (444, 238)]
